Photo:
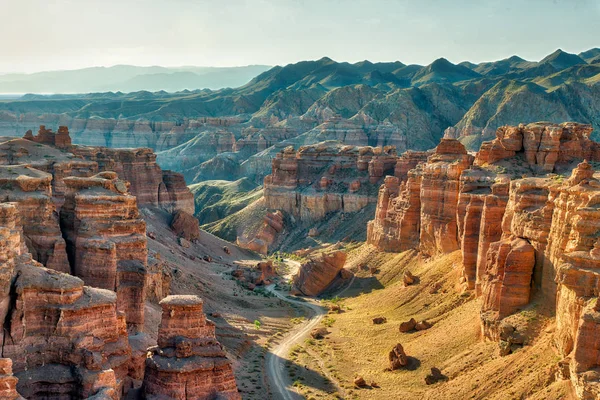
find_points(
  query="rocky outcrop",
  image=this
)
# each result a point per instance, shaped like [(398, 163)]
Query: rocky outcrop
[(31, 189), (158, 278), (543, 144), (507, 281), (439, 197), (60, 139), (261, 240), (8, 383), (188, 362), (186, 226), (324, 178), (106, 240), (522, 228), (150, 184), (318, 273), (65, 340), (174, 195), (422, 211)]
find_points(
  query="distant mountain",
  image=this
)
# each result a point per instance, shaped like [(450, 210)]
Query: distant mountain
[(209, 134), (561, 60), (128, 78), (442, 70), (590, 54)]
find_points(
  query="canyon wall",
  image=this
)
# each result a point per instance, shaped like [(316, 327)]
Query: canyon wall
[(523, 213), (74, 269), (326, 177)]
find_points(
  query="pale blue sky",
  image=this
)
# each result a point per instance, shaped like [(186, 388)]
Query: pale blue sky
[(67, 34)]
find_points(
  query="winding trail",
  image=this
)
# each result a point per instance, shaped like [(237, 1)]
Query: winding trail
[(276, 358)]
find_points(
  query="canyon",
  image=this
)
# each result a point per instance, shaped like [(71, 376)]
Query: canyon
[(522, 214), (77, 273)]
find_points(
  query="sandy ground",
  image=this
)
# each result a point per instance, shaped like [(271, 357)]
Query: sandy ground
[(357, 347)]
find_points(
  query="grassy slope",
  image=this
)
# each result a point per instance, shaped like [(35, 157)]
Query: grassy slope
[(357, 347), (218, 199)]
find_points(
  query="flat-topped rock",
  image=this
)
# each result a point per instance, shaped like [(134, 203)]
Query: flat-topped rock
[(181, 301)]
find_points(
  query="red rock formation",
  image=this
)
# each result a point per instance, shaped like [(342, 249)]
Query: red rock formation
[(507, 282), (174, 195), (188, 362), (482, 199), (439, 197), (317, 274), (158, 279), (186, 226), (547, 238), (63, 338), (150, 184), (8, 383), (407, 161), (31, 189), (543, 144), (261, 240), (324, 178), (397, 223), (106, 240), (61, 139)]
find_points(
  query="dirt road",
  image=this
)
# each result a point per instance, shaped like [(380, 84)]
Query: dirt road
[(276, 358)]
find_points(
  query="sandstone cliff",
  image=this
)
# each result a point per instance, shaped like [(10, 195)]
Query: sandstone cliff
[(74, 272), (324, 178), (106, 240), (523, 215)]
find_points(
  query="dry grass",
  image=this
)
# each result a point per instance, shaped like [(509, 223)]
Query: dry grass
[(358, 347)]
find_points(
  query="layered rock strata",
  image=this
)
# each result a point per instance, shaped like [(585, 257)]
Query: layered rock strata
[(106, 240), (65, 340), (326, 177), (525, 221), (188, 363), (8, 383), (318, 273), (31, 189), (150, 184)]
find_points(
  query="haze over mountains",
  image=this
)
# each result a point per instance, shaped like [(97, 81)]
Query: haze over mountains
[(365, 103), (129, 78)]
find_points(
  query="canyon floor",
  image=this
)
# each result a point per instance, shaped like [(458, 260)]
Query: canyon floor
[(355, 346)]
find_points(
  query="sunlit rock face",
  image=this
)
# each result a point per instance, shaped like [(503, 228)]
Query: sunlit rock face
[(65, 340), (188, 363), (525, 219), (318, 273), (326, 177), (106, 240), (149, 183)]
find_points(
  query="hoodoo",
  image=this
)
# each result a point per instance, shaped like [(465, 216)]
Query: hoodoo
[(188, 362)]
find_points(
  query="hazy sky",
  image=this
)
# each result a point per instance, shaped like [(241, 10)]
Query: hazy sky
[(67, 34)]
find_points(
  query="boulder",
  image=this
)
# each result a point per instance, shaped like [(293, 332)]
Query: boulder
[(408, 278), (185, 226), (360, 382), (435, 376), (318, 273), (397, 358), (422, 325), (408, 326)]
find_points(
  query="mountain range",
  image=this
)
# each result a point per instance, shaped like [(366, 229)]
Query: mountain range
[(363, 103), (129, 78)]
